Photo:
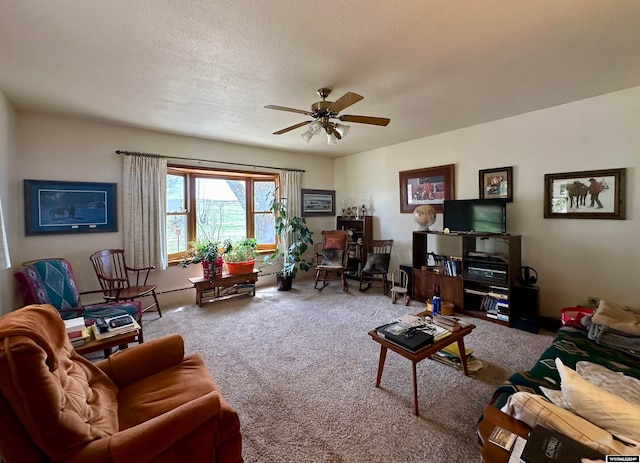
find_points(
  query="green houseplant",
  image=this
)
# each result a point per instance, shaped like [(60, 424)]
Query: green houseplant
[(207, 252), (299, 240), (241, 256)]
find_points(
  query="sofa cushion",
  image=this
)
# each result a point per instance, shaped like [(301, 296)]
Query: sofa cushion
[(332, 258), (600, 407), (534, 410)]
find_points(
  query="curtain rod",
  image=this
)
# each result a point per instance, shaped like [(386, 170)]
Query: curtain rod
[(129, 153)]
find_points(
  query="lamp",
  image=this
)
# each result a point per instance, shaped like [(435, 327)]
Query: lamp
[(5, 260), (329, 127), (313, 129)]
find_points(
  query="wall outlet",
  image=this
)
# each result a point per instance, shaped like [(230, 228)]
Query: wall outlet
[(592, 302)]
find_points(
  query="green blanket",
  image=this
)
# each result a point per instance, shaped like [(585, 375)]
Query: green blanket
[(572, 346)]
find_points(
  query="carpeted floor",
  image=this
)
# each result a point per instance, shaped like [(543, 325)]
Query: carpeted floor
[(300, 370)]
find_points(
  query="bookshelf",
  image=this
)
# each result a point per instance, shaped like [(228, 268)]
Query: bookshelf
[(359, 229), (477, 276)]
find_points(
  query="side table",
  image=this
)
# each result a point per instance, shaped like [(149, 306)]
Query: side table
[(492, 417), (223, 286)]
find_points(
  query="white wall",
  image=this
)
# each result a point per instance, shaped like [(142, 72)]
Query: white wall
[(58, 148), (9, 206), (575, 258)]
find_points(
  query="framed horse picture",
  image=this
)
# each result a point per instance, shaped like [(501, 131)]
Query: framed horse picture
[(588, 194), (69, 207)]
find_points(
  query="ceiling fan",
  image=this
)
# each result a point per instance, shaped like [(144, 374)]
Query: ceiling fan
[(323, 111)]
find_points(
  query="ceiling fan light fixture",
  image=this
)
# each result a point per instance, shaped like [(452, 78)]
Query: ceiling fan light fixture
[(315, 127), (306, 135), (331, 138), (342, 129)]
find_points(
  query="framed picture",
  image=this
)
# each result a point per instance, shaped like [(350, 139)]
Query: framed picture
[(426, 186), (496, 183), (589, 194), (318, 203), (69, 207)]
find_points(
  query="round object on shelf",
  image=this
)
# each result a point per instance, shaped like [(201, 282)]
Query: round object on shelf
[(425, 216)]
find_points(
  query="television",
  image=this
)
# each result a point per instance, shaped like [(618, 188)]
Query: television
[(475, 215)]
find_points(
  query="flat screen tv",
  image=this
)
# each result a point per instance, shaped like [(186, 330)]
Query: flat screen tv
[(475, 215)]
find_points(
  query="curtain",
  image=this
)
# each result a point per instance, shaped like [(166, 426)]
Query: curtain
[(145, 190), (290, 189), (5, 260)]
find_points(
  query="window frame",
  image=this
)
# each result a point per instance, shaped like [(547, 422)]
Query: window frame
[(191, 173)]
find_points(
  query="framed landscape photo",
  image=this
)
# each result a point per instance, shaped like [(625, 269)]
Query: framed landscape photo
[(318, 203), (496, 183), (588, 194), (426, 186), (69, 207)]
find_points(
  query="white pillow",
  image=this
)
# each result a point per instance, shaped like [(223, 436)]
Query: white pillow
[(615, 382), (534, 409), (610, 412)]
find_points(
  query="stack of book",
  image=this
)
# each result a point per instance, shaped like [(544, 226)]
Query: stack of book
[(447, 322), (131, 326), (450, 355), (77, 331), (496, 303)]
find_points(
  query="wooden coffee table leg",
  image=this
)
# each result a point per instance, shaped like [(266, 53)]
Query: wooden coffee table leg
[(463, 356), (383, 357), (415, 390)]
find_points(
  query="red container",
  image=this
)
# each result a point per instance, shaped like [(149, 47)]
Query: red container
[(240, 268), (572, 316)]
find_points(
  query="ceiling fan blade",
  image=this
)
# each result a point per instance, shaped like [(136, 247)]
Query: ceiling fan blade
[(365, 120), (293, 127), (291, 110), (344, 101)]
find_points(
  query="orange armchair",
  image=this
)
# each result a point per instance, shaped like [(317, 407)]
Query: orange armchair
[(146, 403)]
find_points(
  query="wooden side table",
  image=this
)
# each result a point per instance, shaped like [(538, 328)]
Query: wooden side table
[(220, 287), (491, 418), (121, 340)]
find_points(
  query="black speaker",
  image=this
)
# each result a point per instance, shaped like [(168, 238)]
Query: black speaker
[(527, 276), (523, 308)]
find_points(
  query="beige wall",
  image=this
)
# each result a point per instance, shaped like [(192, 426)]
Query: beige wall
[(574, 258), (9, 206), (58, 148)]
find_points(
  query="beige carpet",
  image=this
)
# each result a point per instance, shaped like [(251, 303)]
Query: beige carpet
[(300, 369)]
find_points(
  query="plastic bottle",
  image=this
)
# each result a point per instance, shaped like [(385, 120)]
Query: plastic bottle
[(435, 301)]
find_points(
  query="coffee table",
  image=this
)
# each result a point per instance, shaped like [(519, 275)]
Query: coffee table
[(418, 356)]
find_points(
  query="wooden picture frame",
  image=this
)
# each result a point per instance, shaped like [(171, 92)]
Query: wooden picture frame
[(496, 183), (426, 186), (52, 207), (317, 203), (570, 195)]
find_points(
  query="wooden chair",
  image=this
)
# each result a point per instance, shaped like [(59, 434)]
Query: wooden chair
[(399, 285), (331, 258), (113, 275), (375, 269)]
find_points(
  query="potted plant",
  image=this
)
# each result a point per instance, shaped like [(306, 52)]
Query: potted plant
[(297, 232), (208, 253), (241, 256)]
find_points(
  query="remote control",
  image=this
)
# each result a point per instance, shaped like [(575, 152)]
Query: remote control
[(120, 321), (102, 325)]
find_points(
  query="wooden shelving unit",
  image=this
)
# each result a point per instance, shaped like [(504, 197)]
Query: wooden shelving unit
[(358, 228)]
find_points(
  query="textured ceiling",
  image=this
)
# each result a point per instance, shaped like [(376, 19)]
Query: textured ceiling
[(207, 68)]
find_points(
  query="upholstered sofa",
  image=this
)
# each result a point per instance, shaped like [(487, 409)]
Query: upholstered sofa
[(583, 387), (148, 403)]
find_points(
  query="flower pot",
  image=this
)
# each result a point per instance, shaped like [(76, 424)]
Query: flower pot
[(284, 283), (217, 269), (240, 268)]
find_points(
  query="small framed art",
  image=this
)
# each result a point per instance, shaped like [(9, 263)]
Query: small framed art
[(426, 186), (318, 203), (496, 183)]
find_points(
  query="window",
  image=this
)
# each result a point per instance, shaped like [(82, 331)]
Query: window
[(218, 205)]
